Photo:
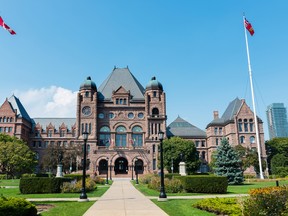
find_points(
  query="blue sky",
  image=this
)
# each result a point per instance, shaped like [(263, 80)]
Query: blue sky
[(196, 49)]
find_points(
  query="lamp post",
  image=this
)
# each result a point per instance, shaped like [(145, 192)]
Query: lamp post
[(107, 171), (136, 170), (111, 169), (162, 195), (83, 196)]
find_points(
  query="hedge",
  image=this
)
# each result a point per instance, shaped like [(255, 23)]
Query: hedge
[(36, 185), (16, 207), (204, 184)]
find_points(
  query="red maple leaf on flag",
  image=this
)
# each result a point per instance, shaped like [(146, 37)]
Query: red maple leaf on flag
[(5, 26)]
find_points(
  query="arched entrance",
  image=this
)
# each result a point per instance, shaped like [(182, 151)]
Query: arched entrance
[(103, 166), (121, 166), (139, 166)]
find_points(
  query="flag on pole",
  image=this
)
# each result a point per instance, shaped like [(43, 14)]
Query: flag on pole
[(6, 26), (249, 27)]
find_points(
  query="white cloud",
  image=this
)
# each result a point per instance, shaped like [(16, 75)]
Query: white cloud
[(49, 102)]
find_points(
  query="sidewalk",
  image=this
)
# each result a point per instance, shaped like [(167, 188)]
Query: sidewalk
[(122, 199)]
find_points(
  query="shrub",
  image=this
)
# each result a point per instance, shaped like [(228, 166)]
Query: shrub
[(270, 201), (36, 185), (222, 206), (146, 179), (204, 184), (2, 176), (76, 186), (16, 207), (99, 180), (171, 185), (28, 175), (78, 177), (171, 175)]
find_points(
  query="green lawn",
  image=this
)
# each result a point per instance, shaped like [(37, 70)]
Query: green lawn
[(232, 189), (10, 182), (181, 207), (66, 208), (14, 192)]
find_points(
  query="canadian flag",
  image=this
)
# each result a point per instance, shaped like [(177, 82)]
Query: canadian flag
[(6, 27)]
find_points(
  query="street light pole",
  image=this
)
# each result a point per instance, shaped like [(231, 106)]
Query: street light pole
[(107, 171), (133, 167), (162, 195), (111, 169), (83, 196)]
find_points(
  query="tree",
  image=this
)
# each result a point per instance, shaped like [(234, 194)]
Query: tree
[(175, 148), (228, 163), (15, 156), (274, 147), (53, 154)]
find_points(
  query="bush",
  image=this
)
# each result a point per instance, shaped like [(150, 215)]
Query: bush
[(76, 186), (77, 177), (16, 207), (204, 184), (171, 175), (99, 180), (220, 206), (171, 185), (36, 185), (28, 175), (270, 201), (2, 176), (146, 179)]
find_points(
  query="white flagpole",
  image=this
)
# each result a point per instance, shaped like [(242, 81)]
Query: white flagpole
[(253, 102)]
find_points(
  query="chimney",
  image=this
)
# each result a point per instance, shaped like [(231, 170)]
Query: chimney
[(216, 114)]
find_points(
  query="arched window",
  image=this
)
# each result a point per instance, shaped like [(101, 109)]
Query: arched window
[(245, 125), (251, 125), (155, 111), (121, 136), (203, 155), (104, 136), (0, 119), (137, 136), (252, 139), (242, 139), (4, 119), (240, 125)]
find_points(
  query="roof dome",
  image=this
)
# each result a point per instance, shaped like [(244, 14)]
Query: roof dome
[(154, 85), (88, 84)]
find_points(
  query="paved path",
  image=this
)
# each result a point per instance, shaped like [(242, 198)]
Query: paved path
[(122, 199)]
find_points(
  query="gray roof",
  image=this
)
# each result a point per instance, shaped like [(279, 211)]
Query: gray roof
[(229, 113), (180, 127), (121, 77), (56, 122), (17, 105)]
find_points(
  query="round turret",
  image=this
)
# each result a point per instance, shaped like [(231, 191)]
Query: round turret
[(88, 84), (154, 85)]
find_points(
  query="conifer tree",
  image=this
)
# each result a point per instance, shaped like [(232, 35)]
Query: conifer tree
[(228, 163)]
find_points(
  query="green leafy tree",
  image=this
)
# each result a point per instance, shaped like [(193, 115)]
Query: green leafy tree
[(279, 165), (228, 163), (15, 156), (274, 147), (175, 148)]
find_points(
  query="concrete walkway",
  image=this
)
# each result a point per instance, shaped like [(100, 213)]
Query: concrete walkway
[(122, 199)]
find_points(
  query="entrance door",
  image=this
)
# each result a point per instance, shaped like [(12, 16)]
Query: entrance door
[(103, 167), (121, 166)]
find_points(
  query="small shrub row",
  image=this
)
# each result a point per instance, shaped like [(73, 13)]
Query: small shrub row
[(270, 201), (77, 177), (146, 179), (36, 185), (220, 206), (171, 175), (204, 184), (16, 207), (171, 185), (76, 186)]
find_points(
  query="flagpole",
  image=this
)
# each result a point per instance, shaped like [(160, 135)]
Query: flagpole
[(253, 102)]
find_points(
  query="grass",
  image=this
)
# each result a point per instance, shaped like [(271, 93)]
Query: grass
[(66, 208), (232, 189), (181, 207), (12, 182), (14, 192)]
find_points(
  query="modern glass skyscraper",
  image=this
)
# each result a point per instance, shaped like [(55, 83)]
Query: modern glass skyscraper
[(277, 120)]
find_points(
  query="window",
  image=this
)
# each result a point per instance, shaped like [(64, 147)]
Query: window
[(117, 101), (46, 144), (252, 139), (86, 94), (155, 111), (202, 143), (0, 119), (130, 115), (111, 115), (1, 129), (197, 143), (153, 148), (141, 115), (62, 133), (251, 125), (121, 136), (137, 136), (104, 136), (245, 125), (39, 144), (242, 139), (220, 131), (240, 125), (154, 93), (154, 164), (4, 119), (49, 133), (73, 133), (215, 131), (217, 141), (203, 155)]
